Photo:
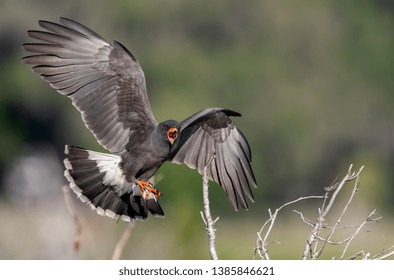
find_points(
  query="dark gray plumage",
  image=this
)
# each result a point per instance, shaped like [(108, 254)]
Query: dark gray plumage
[(107, 85)]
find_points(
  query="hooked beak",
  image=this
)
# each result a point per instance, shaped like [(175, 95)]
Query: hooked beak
[(172, 134)]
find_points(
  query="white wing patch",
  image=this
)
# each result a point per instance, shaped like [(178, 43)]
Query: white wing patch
[(109, 164)]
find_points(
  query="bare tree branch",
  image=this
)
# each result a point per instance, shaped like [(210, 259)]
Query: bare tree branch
[(319, 239), (261, 244), (123, 240), (350, 239), (206, 216), (77, 224), (313, 236), (385, 254)]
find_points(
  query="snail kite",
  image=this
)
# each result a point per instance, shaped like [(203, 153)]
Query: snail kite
[(107, 85)]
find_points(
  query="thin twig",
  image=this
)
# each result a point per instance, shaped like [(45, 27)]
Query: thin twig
[(351, 238), (261, 243), (207, 218), (385, 254), (313, 236), (316, 243), (350, 176), (77, 224), (304, 219), (123, 240), (361, 254)]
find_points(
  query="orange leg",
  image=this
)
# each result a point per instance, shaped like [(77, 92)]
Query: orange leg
[(146, 188)]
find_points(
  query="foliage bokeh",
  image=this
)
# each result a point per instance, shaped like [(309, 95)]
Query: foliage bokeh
[(313, 80)]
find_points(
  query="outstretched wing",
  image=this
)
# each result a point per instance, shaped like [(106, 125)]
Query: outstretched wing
[(210, 137), (105, 82)]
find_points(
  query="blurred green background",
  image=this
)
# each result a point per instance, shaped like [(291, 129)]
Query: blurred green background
[(313, 80)]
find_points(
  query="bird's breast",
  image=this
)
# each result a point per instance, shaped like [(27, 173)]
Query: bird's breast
[(141, 163)]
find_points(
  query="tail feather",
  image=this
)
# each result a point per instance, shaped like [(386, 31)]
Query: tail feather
[(94, 189), (88, 180), (97, 180)]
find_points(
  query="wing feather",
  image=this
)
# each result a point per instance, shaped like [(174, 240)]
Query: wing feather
[(203, 155), (225, 177), (105, 82)]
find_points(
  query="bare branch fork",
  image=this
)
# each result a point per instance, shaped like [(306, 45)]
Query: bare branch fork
[(313, 239), (206, 215), (315, 243), (261, 243)]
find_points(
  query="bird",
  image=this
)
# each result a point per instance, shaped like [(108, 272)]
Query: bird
[(106, 84)]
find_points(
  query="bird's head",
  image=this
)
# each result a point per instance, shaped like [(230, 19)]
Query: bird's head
[(171, 130)]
